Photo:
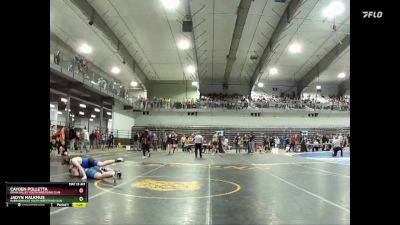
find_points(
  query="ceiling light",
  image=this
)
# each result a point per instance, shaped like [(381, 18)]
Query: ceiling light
[(184, 44), (133, 83), (194, 83), (90, 119), (260, 84), (108, 113), (295, 48), (190, 69), (93, 116), (109, 119), (170, 4), (341, 75), (52, 106), (59, 112), (73, 119), (115, 70), (64, 100), (318, 87), (85, 49), (72, 115), (96, 109), (82, 105), (273, 71), (81, 113), (333, 9), (66, 109)]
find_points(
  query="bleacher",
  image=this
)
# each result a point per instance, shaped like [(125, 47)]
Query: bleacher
[(230, 133)]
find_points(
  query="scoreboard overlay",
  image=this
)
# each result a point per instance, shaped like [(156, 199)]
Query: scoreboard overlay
[(55, 194)]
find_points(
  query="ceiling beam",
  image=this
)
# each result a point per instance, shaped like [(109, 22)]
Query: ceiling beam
[(323, 63), (189, 17), (344, 86), (98, 22), (283, 22), (242, 13)]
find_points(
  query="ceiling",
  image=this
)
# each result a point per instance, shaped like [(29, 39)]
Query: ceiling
[(75, 107), (151, 32)]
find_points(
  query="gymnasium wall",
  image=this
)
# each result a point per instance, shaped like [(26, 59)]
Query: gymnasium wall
[(240, 89), (176, 90), (243, 119), (122, 119)]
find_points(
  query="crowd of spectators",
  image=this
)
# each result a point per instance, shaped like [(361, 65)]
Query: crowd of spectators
[(237, 102), (79, 139), (80, 65)]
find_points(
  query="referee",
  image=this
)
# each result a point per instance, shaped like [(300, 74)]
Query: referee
[(198, 140)]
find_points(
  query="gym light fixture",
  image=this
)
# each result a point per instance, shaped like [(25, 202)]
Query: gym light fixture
[(273, 71), (81, 113), (170, 4), (133, 83), (184, 44), (52, 106), (90, 119), (318, 87), (82, 105), (194, 83), (85, 49), (59, 112), (260, 84), (64, 100), (93, 116), (96, 110), (333, 9), (295, 48), (108, 113), (190, 69), (341, 75), (115, 70)]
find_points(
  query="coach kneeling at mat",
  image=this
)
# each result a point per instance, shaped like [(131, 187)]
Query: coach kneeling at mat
[(337, 147)]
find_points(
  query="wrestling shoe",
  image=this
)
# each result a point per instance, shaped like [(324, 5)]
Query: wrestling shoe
[(119, 160), (118, 174)]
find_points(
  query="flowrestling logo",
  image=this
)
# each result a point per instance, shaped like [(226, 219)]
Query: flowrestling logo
[(372, 14)]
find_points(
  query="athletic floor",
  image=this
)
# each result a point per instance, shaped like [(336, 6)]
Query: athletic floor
[(257, 188)]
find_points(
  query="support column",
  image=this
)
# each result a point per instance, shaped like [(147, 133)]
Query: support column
[(67, 120), (67, 114), (101, 118)]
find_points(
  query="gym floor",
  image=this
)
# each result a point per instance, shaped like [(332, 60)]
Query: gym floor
[(233, 188)]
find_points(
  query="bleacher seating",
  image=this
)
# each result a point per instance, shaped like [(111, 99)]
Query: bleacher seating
[(230, 133)]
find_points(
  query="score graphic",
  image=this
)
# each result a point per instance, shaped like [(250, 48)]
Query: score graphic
[(56, 194)]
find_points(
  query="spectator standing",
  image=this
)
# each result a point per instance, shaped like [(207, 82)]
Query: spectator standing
[(92, 138), (98, 138), (145, 140), (72, 138), (111, 140), (237, 142)]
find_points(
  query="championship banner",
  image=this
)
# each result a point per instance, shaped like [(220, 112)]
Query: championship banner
[(55, 194)]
